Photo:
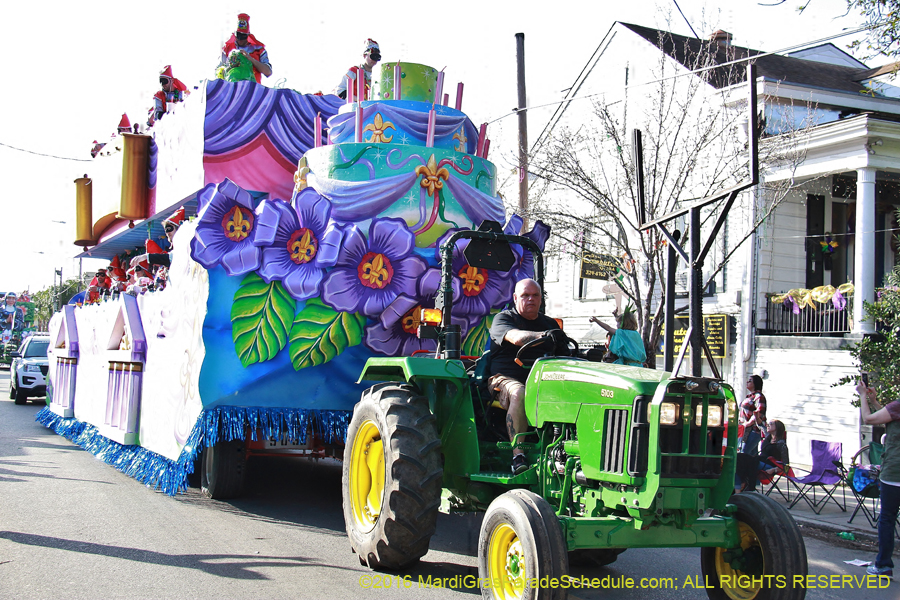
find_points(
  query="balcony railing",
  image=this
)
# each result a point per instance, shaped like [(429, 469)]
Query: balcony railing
[(825, 319)]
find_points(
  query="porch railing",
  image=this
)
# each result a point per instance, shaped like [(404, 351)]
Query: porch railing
[(826, 318)]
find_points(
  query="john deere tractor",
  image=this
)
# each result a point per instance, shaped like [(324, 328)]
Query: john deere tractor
[(622, 457)]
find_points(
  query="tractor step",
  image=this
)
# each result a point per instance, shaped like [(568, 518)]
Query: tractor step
[(526, 478)]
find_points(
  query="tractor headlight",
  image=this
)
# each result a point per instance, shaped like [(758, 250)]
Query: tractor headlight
[(668, 413), (714, 419)]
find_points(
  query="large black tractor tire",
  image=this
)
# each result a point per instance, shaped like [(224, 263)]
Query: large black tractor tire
[(222, 470), (521, 541), (599, 557), (772, 547), (392, 476)]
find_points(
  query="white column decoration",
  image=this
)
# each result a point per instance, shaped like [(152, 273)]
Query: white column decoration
[(864, 254)]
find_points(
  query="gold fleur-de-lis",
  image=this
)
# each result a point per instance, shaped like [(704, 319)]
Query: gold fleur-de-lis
[(238, 227), (431, 176), (300, 175), (375, 271), (378, 128), (461, 136), (474, 280), (302, 246)]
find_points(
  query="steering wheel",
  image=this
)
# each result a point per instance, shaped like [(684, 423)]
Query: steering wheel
[(556, 351)]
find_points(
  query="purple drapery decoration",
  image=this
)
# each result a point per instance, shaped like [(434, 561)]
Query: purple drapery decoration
[(839, 301), (236, 113), (477, 205), (795, 308), (409, 120), (359, 200)]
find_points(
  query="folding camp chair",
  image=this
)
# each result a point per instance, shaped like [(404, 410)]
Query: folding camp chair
[(862, 479), (824, 476), (776, 481)]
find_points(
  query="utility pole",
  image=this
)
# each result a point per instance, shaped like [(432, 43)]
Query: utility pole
[(523, 131)]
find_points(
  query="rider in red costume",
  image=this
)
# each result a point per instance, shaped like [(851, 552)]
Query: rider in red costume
[(250, 47)]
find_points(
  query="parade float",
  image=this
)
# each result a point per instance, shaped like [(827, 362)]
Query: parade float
[(310, 245)]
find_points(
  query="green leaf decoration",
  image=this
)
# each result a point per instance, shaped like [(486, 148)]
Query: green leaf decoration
[(321, 333), (476, 340), (260, 319)]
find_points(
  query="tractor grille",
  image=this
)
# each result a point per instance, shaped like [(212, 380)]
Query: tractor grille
[(639, 449), (695, 456), (614, 440)]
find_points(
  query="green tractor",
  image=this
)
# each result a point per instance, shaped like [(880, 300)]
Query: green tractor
[(621, 457)]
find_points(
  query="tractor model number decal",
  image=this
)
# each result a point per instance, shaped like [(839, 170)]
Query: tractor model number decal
[(605, 393)]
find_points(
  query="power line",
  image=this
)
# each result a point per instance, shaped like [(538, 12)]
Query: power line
[(693, 72), (685, 19), (45, 155)]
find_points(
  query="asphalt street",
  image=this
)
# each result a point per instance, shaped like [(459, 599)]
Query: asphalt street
[(73, 527)]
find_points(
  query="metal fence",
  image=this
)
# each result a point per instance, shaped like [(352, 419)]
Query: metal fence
[(824, 319)]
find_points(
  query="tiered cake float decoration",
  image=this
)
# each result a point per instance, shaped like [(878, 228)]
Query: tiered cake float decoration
[(346, 266)]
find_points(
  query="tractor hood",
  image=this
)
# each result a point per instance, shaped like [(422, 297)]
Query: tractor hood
[(558, 387)]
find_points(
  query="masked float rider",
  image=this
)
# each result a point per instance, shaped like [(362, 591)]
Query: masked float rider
[(249, 47), (170, 225), (173, 91), (371, 56)]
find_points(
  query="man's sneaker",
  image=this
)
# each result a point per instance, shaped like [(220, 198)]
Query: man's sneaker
[(519, 464), (886, 571)]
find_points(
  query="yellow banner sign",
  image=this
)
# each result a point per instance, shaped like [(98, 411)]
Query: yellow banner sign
[(715, 330)]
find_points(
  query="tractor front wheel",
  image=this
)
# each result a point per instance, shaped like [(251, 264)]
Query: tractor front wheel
[(392, 476), (771, 554), (521, 542)]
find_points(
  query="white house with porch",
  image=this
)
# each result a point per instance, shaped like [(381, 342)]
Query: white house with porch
[(836, 226)]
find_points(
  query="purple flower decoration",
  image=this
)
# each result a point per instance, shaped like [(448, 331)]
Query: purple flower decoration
[(480, 289), (539, 234), (226, 229), (299, 241), (395, 333), (370, 274)]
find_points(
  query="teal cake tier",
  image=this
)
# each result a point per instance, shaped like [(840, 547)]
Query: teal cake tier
[(432, 189), (404, 123)]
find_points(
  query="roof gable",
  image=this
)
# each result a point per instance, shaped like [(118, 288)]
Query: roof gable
[(693, 52)]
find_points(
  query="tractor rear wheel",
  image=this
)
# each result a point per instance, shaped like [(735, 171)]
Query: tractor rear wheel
[(771, 546), (392, 476), (222, 470), (521, 541)]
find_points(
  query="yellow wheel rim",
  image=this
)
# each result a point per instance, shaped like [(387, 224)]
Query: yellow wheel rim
[(749, 541), (366, 476), (506, 563)]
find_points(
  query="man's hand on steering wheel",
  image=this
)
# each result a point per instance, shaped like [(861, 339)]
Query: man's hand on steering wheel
[(557, 342)]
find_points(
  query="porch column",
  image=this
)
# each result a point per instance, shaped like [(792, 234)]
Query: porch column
[(864, 252)]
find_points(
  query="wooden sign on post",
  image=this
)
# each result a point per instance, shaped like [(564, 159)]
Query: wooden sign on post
[(598, 266)]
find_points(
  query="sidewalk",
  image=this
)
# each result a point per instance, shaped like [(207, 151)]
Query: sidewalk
[(832, 520)]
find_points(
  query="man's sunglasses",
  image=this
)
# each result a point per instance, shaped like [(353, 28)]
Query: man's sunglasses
[(241, 36), (164, 80), (169, 228)]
